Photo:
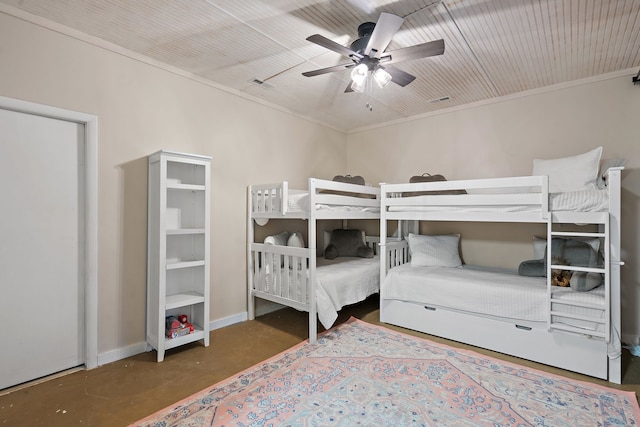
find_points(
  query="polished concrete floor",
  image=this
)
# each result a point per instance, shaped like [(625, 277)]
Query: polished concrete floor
[(125, 391)]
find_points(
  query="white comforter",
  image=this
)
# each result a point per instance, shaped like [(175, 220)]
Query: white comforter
[(484, 292), (342, 283)]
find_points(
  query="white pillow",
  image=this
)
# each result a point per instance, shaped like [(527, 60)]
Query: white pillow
[(277, 239), (296, 240), (434, 251), (604, 168), (570, 173), (539, 247)]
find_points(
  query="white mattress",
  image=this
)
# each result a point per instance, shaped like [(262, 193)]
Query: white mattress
[(299, 202), (508, 296), (593, 200)]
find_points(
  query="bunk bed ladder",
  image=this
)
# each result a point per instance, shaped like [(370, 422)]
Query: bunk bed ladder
[(562, 314)]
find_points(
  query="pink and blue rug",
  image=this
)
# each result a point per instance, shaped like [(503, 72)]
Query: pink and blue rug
[(361, 374)]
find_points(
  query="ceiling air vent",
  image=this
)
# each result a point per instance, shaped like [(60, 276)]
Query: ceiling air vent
[(444, 98), (261, 83)]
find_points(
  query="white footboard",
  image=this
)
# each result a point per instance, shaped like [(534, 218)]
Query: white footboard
[(284, 275), (397, 253), (280, 274)]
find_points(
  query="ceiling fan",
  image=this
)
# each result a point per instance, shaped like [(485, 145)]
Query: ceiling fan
[(368, 55)]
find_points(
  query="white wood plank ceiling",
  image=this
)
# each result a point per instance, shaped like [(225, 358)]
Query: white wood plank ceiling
[(493, 47)]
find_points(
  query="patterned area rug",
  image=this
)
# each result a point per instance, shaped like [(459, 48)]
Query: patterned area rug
[(361, 374)]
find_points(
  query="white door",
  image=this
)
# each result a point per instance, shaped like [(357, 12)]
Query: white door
[(41, 246)]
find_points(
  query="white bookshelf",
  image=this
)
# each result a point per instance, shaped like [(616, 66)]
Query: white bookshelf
[(178, 246)]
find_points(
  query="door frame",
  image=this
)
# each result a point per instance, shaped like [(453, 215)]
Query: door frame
[(90, 284)]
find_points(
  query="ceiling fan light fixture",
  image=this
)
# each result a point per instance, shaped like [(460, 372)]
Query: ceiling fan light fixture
[(359, 86), (359, 74), (381, 77)]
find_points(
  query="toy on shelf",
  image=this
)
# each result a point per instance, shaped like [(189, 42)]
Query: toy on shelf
[(178, 326)]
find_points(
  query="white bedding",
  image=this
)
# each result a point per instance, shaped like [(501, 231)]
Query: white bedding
[(299, 202), (339, 282), (345, 283), (593, 200), (508, 296)]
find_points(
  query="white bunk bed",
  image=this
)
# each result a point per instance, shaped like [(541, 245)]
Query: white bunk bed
[(576, 331), (298, 278)]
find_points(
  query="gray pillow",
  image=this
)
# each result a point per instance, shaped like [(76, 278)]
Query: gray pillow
[(532, 268), (358, 180), (577, 253), (583, 281), (348, 179), (427, 177), (347, 243)]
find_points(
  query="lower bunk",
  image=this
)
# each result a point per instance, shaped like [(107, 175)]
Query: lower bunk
[(294, 277), (506, 313)]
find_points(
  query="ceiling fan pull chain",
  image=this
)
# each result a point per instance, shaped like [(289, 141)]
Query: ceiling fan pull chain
[(369, 91)]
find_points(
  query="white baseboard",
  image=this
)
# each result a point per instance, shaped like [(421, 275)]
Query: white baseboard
[(141, 347), (121, 353), (227, 321), (264, 308)]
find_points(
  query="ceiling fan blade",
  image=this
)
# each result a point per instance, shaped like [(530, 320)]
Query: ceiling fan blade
[(423, 50), (398, 76), (320, 71), (386, 27), (331, 45)]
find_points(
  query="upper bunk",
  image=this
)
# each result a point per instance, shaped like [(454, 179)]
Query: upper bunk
[(510, 199), (323, 199)]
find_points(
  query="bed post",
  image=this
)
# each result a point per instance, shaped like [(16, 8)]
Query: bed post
[(311, 236), (251, 312), (613, 184), (382, 250)]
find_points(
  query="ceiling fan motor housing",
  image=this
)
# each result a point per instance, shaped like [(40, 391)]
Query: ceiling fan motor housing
[(364, 34), (365, 29)]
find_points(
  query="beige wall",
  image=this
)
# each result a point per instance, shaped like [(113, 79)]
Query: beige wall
[(140, 110), (502, 139)]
